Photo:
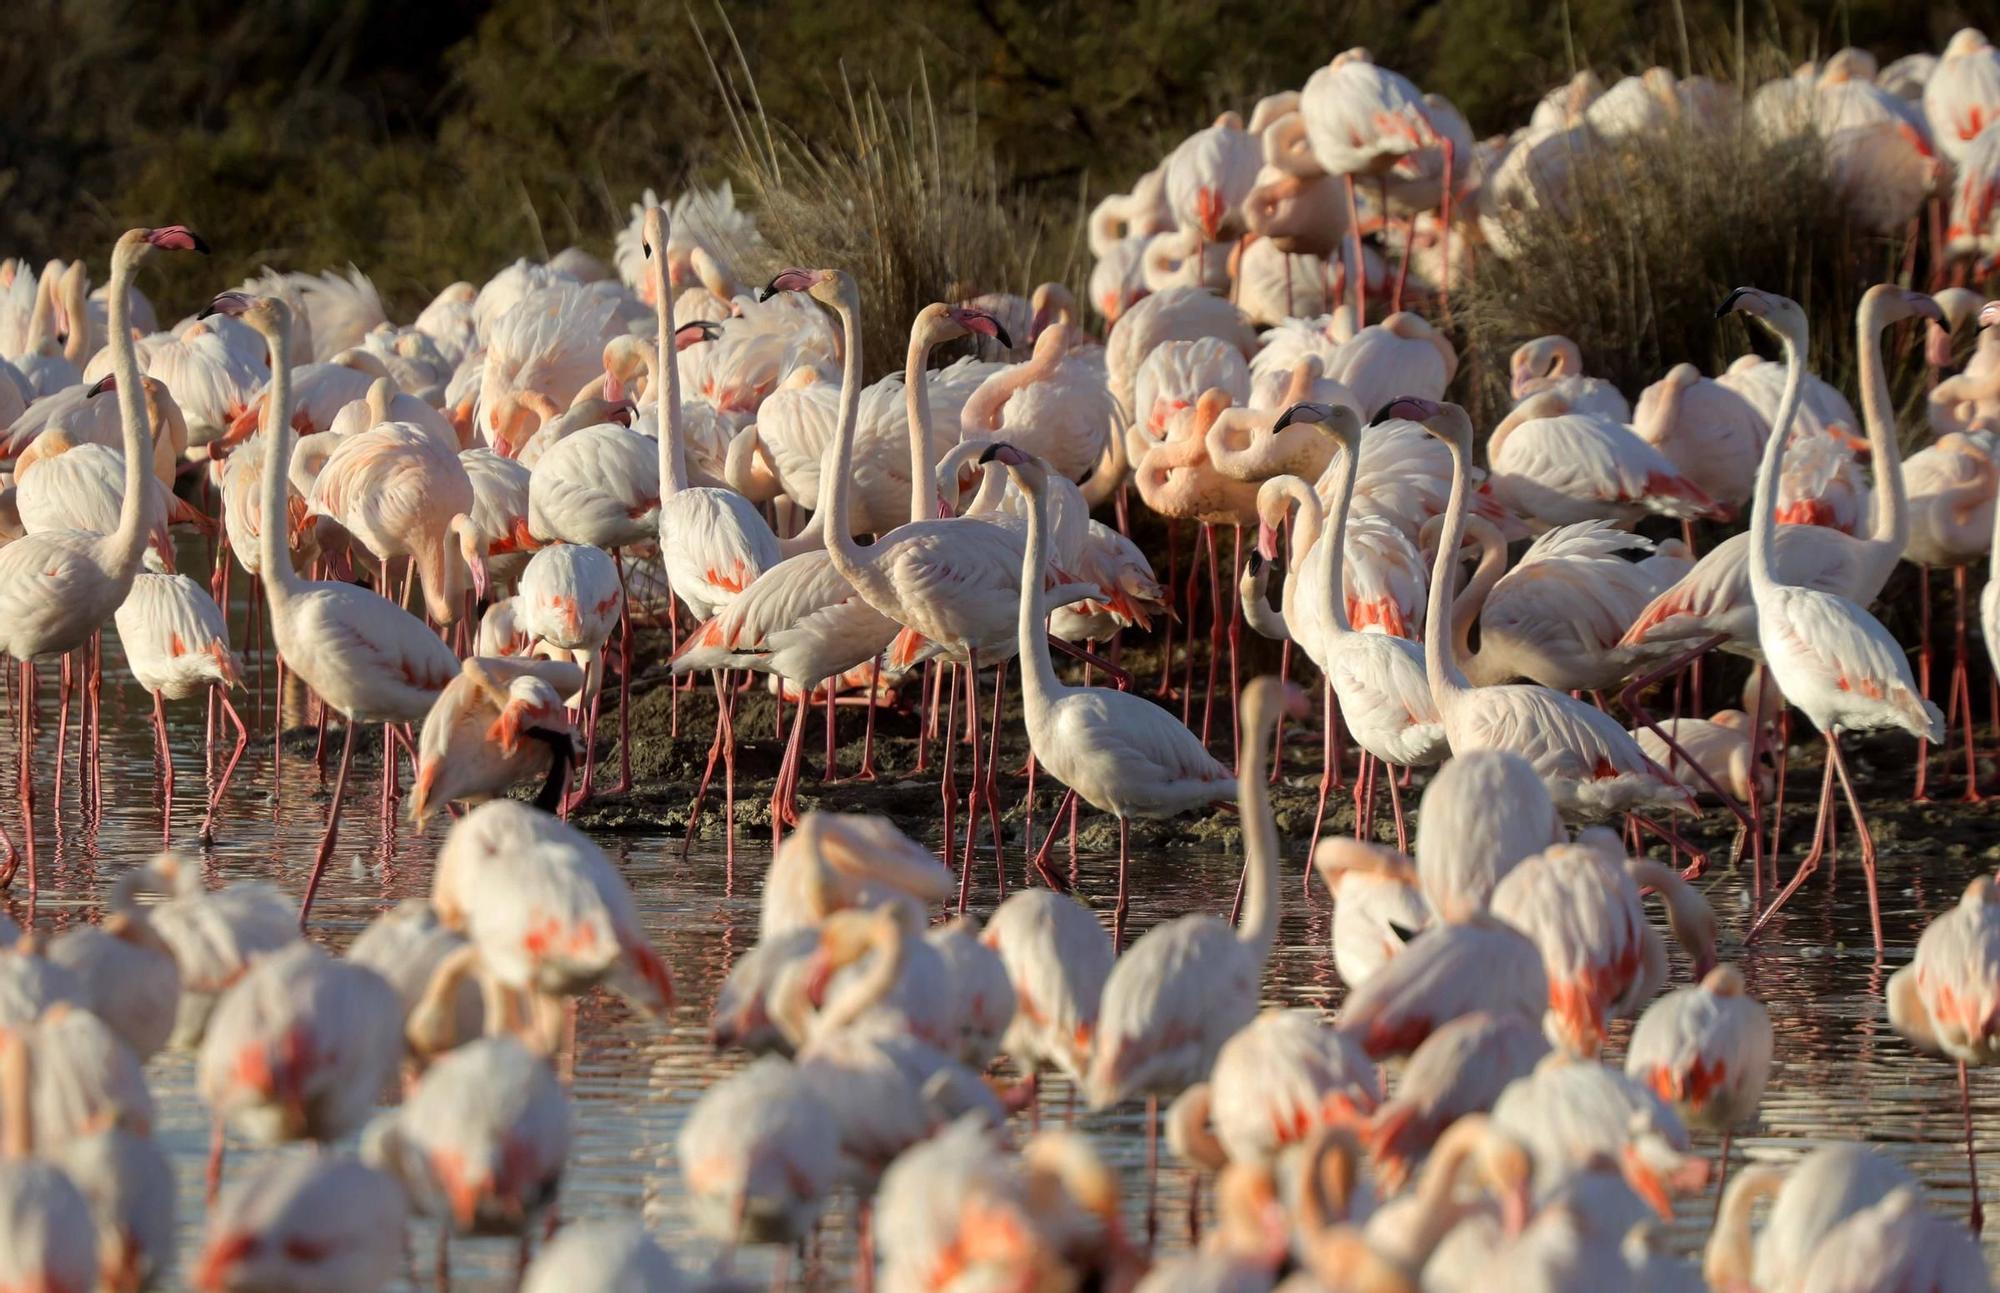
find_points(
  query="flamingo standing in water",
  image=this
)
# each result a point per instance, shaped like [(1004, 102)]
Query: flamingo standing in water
[(176, 642), (1830, 657), (499, 723), (1947, 999), (1188, 985), (363, 655), (572, 598), (1705, 1049), (1121, 753), (305, 1221), (57, 588)]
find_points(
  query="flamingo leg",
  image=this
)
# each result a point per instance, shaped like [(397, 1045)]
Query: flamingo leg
[(867, 770), (826, 775), (1977, 1218), (1356, 274), (1193, 589), (326, 840), (624, 675), (1165, 687), (1961, 684), (991, 786), (167, 772), (1444, 231), (1040, 858), (1919, 795), (1809, 863), (29, 686), (1278, 736), (62, 730), (1325, 775), (1863, 837), (1152, 1171), (1124, 856), (1214, 627), (1630, 697), (229, 768), (948, 778), (213, 1175), (1396, 809), (784, 795)]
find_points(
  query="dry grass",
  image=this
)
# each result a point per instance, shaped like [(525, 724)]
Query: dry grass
[(907, 198), (1654, 236)]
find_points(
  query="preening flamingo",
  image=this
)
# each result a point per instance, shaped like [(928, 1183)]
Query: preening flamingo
[(1457, 1073), (303, 1221), (1058, 956), (759, 1154), (1463, 849), (1555, 364), (364, 656), (499, 723), (59, 587), (1830, 657), (1558, 464)]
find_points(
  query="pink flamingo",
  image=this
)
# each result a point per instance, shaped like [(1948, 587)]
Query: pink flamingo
[(1962, 95), (1555, 364), (1706, 1050), (1951, 486), (1830, 657), (1945, 1001), (176, 643), (1463, 847), (59, 587), (1057, 956), (1709, 432), (759, 1156), (1055, 405), (1189, 984), (572, 599), (1377, 904), (304, 1220), (1457, 1074), (1560, 464), (364, 656), (499, 723), (1280, 1078), (1452, 968)]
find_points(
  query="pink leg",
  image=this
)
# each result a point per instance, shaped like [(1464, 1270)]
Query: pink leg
[(229, 768), (1214, 626), (1977, 1218), (948, 779), (1810, 862), (784, 795), (1325, 775), (1118, 912), (326, 840), (624, 676), (1864, 838), (167, 770), (1961, 686), (1040, 859), (1923, 676), (1396, 807), (1165, 687)]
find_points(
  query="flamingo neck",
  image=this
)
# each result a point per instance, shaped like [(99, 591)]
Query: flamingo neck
[(1438, 617), (17, 1122), (128, 542), (834, 487), (666, 380), (887, 941), (1470, 603), (917, 403), (1764, 507), (1040, 688), (275, 558), (1336, 558), (1259, 929), (1889, 519)]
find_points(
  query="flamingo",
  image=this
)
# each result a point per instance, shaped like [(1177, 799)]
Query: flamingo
[(1055, 405), (982, 992), (837, 861), (1951, 486), (1944, 1000), (1810, 1199), (176, 643), (1451, 968), (481, 1142), (129, 1185), (1402, 355), (1555, 364), (304, 1221), (1455, 1075), (497, 724), (1275, 1082), (1580, 904), (125, 972), (423, 961), (572, 598), (364, 656), (547, 912), (1706, 1049), (1377, 905), (1572, 1112), (1121, 753), (1464, 848), (1558, 464), (1709, 432), (1963, 94), (1057, 956), (1829, 656), (759, 1155), (59, 587), (1187, 985), (298, 1048), (604, 1257), (50, 1240), (1583, 755)]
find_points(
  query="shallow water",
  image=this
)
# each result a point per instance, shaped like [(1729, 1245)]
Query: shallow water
[(1840, 1073)]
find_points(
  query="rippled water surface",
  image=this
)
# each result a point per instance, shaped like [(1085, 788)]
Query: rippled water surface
[(1840, 1072)]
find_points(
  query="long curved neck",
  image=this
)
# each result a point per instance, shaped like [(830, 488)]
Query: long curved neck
[(1308, 516), (1438, 620), (128, 541), (1728, 1261), (76, 304), (1336, 557), (1889, 523), (275, 559), (834, 489), (917, 403), (1764, 514), (17, 1122), (673, 436), (1471, 600), (886, 940), (1039, 686), (1260, 830)]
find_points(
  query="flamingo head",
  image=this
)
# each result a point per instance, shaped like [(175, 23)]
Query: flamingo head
[(1051, 302), (176, 237), (108, 382), (1781, 314), (268, 314), (1537, 361), (793, 279), (693, 334), (971, 319), (1336, 420)]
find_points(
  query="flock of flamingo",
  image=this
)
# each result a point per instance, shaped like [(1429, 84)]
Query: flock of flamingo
[(454, 530)]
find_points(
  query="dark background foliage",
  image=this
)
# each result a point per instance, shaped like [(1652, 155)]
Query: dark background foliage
[(430, 140)]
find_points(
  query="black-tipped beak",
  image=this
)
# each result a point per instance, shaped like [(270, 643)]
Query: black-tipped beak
[(992, 451), (1000, 333), (1729, 302), (107, 382), (1284, 420), (1255, 563)]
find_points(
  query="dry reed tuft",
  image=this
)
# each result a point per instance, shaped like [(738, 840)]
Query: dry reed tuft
[(1651, 237), (909, 200)]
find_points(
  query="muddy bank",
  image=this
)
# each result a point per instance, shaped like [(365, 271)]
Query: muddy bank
[(671, 731)]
